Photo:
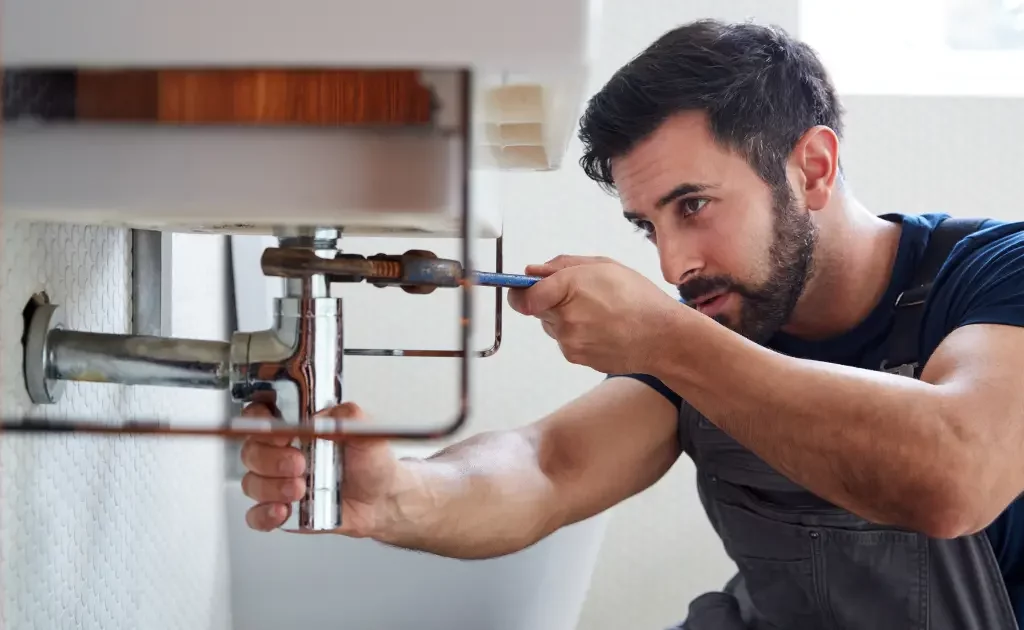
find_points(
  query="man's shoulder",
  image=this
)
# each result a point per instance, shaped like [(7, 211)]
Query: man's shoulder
[(995, 249), (982, 281)]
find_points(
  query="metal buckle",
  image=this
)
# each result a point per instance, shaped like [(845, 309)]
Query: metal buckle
[(905, 369)]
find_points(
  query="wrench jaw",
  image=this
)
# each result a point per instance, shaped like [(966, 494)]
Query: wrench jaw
[(423, 272)]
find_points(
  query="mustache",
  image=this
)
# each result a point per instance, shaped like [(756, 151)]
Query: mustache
[(704, 285)]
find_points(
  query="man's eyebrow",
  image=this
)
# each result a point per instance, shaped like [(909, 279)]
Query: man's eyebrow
[(679, 191)]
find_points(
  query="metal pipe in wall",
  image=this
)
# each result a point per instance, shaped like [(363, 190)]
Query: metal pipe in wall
[(138, 360)]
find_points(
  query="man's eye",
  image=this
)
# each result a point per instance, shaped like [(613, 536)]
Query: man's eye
[(644, 227), (692, 206)]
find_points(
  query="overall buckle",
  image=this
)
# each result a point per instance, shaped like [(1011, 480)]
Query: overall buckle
[(904, 369)]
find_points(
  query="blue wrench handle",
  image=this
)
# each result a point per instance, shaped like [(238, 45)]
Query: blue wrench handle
[(504, 280)]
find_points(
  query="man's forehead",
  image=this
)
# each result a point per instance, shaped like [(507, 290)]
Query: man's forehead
[(680, 150)]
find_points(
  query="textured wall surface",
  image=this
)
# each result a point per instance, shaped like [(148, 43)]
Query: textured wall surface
[(105, 533)]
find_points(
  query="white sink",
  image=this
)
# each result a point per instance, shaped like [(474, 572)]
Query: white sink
[(282, 580)]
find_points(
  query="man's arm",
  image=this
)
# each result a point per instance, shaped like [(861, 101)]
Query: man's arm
[(499, 492), (942, 455)]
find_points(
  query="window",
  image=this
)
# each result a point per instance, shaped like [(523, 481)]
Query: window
[(919, 47), (985, 24)]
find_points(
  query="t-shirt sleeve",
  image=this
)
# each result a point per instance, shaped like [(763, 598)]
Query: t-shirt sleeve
[(655, 384), (986, 287)]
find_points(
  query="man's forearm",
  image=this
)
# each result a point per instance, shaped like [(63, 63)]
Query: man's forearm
[(480, 498), (877, 444)]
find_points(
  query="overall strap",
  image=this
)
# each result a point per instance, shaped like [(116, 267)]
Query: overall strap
[(904, 339)]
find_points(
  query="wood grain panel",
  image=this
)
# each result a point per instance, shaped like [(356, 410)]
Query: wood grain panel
[(123, 95), (255, 97)]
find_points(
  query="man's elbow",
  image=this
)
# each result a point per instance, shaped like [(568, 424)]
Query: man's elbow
[(950, 508), (947, 522)]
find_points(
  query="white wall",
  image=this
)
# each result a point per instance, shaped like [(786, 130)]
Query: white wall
[(109, 532), (955, 154)]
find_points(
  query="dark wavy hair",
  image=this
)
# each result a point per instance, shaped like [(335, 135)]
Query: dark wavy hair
[(760, 89)]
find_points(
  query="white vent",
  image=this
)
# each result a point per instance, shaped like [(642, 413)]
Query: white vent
[(527, 125)]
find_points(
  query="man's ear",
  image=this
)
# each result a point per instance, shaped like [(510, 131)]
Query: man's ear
[(814, 166)]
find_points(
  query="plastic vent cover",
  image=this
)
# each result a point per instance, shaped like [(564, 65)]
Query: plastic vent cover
[(518, 127)]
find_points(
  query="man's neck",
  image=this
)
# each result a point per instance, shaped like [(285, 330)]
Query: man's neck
[(853, 266)]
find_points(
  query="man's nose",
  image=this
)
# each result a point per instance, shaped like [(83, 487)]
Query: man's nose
[(679, 259)]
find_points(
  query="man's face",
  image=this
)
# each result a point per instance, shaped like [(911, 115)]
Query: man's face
[(738, 253)]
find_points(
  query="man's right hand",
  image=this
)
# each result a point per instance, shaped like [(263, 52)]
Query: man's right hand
[(276, 477)]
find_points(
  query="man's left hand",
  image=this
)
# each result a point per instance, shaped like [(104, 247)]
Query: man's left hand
[(602, 314)]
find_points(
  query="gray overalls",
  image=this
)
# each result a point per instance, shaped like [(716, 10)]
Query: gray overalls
[(805, 564)]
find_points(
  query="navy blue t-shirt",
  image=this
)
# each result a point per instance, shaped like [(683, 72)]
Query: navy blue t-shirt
[(981, 282)]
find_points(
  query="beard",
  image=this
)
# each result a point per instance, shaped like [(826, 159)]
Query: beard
[(765, 309)]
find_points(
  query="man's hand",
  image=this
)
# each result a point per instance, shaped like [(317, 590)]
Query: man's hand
[(275, 478), (602, 314)]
